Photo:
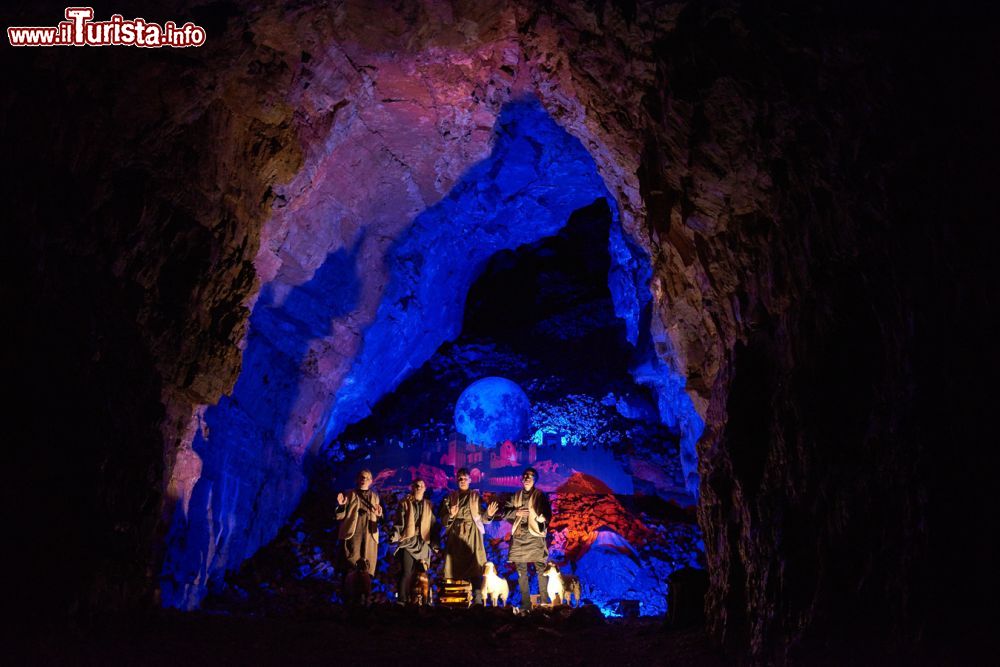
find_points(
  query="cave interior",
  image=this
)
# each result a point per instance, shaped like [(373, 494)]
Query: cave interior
[(541, 315), (734, 259)]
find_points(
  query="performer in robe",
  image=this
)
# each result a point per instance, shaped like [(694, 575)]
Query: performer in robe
[(463, 519), (413, 537), (530, 513), (359, 511)]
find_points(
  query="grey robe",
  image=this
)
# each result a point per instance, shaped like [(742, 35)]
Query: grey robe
[(413, 528), (358, 529), (527, 542), (464, 554)]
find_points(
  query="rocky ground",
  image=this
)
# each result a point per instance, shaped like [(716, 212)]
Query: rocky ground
[(389, 635), (377, 636)]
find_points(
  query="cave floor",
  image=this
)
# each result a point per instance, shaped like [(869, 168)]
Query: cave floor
[(477, 637), (377, 636)]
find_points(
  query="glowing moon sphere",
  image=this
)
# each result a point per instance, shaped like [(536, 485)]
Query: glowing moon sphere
[(492, 410)]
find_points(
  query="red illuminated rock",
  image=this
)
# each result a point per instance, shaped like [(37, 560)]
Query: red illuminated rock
[(581, 483), (582, 516)]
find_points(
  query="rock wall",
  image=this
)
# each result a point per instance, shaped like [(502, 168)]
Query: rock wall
[(767, 160), (142, 180)]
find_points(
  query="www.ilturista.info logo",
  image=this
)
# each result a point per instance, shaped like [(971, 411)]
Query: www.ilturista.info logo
[(80, 30)]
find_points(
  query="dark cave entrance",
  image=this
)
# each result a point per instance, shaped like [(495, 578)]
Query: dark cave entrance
[(542, 316), (558, 308)]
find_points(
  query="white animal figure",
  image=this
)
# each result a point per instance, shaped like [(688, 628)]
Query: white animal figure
[(562, 588), (494, 587), (555, 584)]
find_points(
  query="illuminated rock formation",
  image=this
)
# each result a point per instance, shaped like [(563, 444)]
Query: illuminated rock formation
[(226, 255)]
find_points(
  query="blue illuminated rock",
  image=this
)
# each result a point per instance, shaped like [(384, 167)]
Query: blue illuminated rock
[(533, 180), (611, 571), (492, 410)]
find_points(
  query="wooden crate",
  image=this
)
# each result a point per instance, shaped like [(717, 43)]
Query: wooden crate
[(455, 593)]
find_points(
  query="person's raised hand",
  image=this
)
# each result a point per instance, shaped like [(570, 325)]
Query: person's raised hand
[(378, 511), (341, 498), (522, 512), (453, 511), (492, 508)]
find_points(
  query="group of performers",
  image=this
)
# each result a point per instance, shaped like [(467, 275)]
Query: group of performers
[(463, 516)]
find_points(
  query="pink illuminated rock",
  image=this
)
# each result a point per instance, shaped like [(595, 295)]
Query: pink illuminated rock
[(434, 477)]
